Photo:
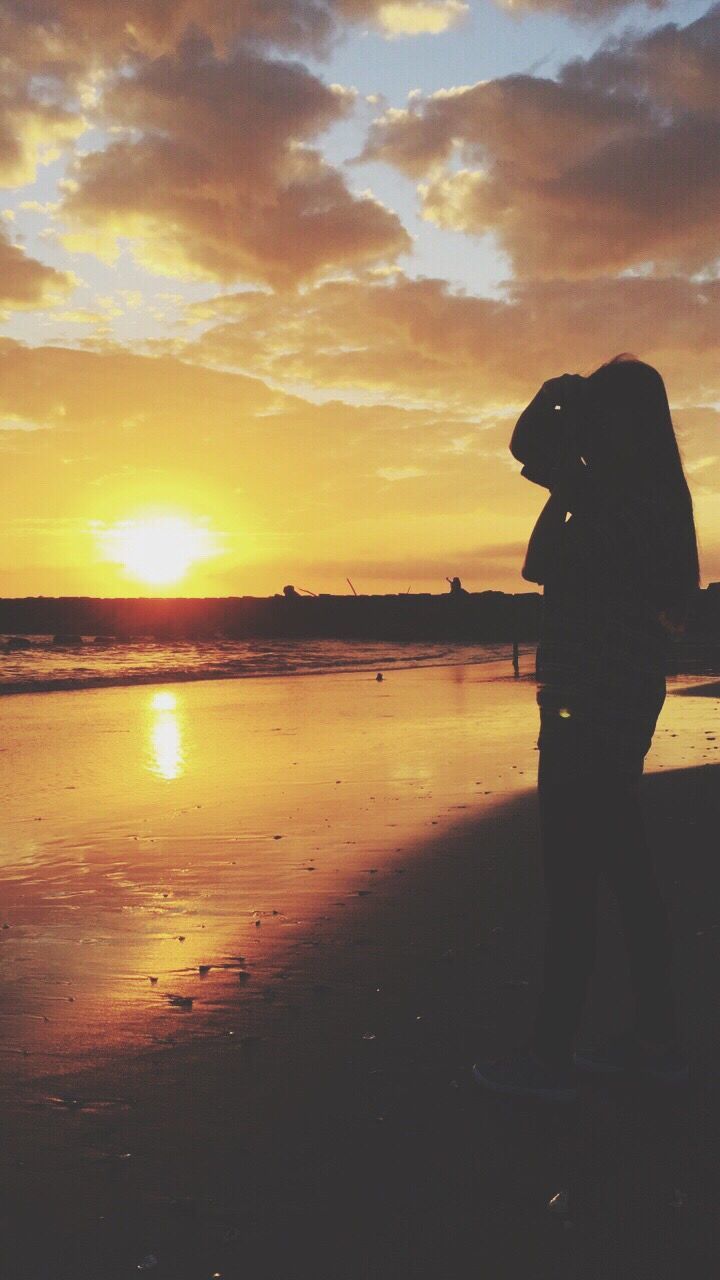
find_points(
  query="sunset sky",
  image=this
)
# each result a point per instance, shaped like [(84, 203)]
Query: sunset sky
[(278, 276)]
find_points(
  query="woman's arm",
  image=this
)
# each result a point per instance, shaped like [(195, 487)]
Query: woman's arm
[(570, 491), (524, 444), (544, 545)]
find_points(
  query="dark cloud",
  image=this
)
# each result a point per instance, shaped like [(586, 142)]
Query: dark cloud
[(65, 37), (673, 66), (535, 127), (586, 10), (616, 164), (213, 173)]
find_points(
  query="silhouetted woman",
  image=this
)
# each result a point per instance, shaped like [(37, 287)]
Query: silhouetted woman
[(619, 577)]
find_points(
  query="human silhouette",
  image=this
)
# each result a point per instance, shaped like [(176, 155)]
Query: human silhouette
[(619, 576), (456, 587)]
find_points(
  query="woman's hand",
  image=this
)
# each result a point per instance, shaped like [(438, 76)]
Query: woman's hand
[(567, 482), (567, 395), (535, 434), (566, 392)]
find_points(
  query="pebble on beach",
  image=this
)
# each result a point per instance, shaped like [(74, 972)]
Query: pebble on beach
[(180, 1002)]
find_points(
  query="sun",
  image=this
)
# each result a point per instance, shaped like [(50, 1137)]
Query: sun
[(157, 551)]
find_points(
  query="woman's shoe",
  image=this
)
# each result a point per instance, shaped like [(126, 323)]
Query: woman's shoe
[(525, 1076), (627, 1055)]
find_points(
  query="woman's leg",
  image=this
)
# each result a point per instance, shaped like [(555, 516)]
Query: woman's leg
[(567, 791), (628, 864)]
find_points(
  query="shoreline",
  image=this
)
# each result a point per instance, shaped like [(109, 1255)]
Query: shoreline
[(10, 690), (140, 681)]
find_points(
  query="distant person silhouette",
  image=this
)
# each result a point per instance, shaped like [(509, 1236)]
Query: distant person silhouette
[(619, 577), (456, 587)]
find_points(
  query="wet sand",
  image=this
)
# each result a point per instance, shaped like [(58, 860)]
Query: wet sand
[(335, 884)]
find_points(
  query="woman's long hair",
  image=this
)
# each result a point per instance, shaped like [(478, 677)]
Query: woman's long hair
[(632, 439)]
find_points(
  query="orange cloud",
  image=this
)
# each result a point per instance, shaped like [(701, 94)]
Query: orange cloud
[(611, 166), (481, 359), (212, 170), (31, 133), (215, 177), (419, 340), (298, 491), (288, 483), (423, 17), (96, 392)]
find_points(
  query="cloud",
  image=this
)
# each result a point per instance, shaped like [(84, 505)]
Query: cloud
[(291, 483), (538, 126), (479, 566), (31, 133), (424, 17), (300, 491), (676, 67), (74, 34), (400, 473), (473, 363), (420, 341), (613, 165), (583, 9), (25, 282), (90, 392), (214, 175), (646, 200), (58, 56), (70, 37), (211, 168)]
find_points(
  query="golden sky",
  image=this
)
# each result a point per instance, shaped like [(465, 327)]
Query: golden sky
[(277, 279)]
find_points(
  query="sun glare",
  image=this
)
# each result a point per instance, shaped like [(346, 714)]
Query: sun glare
[(166, 757), (157, 551)]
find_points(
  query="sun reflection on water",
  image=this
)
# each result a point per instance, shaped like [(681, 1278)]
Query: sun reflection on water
[(166, 755)]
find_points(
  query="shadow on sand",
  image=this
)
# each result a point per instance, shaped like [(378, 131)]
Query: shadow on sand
[(347, 1140)]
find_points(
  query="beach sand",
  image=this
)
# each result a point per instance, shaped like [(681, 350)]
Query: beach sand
[(253, 935)]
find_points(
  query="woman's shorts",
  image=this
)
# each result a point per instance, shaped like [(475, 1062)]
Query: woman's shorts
[(609, 739)]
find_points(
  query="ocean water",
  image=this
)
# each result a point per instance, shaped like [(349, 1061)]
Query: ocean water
[(44, 667)]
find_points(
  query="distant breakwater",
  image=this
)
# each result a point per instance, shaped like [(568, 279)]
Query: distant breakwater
[(485, 616)]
